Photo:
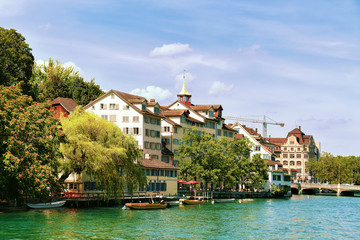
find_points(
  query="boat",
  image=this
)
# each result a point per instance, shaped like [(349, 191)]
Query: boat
[(173, 203), (46, 205), (192, 202), (146, 206), (225, 200)]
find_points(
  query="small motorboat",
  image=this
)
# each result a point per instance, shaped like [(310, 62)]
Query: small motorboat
[(46, 205), (225, 200), (146, 206), (192, 202), (173, 203)]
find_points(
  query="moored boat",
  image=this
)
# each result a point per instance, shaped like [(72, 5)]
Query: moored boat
[(193, 202), (225, 200), (46, 205), (146, 206)]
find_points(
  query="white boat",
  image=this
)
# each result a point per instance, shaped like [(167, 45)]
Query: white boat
[(227, 200), (46, 205)]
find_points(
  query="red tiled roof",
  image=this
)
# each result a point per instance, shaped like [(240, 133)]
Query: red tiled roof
[(174, 112), (193, 120), (156, 164), (227, 127), (270, 162), (276, 141), (67, 103), (238, 136)]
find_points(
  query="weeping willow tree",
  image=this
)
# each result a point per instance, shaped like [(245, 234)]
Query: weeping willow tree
[(99, 149)]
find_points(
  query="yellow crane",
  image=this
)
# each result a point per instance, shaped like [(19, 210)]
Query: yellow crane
[(264, 122)]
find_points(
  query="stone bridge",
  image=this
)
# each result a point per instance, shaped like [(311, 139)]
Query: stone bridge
[(339, 189)]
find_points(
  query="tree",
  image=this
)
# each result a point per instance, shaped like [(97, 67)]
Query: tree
[(16, 60), (99, 149), (29, 140), (236, 167), (258, 171), (53, 80), (200, 156)]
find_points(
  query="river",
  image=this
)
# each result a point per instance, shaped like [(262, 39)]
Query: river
[(301, 217)]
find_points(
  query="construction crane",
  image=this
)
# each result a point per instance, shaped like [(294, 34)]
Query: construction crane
[(264, 122)]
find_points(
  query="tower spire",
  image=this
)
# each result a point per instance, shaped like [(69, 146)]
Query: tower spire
[(184, 96)]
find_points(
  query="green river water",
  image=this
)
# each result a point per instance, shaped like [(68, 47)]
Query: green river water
[(301, 217)]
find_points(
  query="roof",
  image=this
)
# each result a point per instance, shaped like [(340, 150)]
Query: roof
[(129, 99), (227, 127), (276, 141), (206, 107), (300, 136), (148, 163), (238, 136), (184, 90), (174, 112), (270, 162), (67, 103)]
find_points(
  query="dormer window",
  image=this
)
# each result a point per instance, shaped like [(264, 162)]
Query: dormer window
[(156, 110), (211, 113), (143, 107)]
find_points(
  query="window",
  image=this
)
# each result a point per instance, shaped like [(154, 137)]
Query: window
[(219, 132), (113, 106), (298, 155), (135, 118), (143, 106), (102, 106), (93, 107), (306, 156), (136, 131), (292, 163), (156, 110), (257, 148), (211, 113), (158, 146), (176, 141), (175, 129), (152, 145), (285, 155), (292, 149), (292, 155), (147, 132), (292, 142), (104, 117), (112, 96), (285, 148), (112, 118), (125, 119), (147, 145), (166, 141), (299, 149), (126, 107), (154, 156), (126, 130), (72, 186), (166, 129), (298, 163), (285, 163)]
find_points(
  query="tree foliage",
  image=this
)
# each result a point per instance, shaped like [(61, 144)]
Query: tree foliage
[(54, 80), (335, 169), (16, 60), (99, 149), (225, 162), (29, 140)]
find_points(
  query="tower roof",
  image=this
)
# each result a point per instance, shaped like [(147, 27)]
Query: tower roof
[(184, 91)]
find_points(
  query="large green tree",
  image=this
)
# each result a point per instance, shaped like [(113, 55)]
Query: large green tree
[(99, 149), (29, 140), (16, 60), (258, 171), (335, 169), (51, 80)]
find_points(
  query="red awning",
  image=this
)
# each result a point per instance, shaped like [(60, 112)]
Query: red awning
[(192, 182)]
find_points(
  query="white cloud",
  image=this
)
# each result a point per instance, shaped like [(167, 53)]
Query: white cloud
[(170, 49), (250, 50), (153, 92), (220, 88)]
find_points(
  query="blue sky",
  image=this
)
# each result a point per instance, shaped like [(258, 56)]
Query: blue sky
[(297, 62)]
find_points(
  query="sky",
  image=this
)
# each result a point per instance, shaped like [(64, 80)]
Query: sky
[(296, 62)]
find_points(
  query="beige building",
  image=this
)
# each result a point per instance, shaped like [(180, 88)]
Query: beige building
[(294, 152)]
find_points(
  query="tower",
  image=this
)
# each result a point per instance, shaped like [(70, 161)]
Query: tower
[(184, 96)]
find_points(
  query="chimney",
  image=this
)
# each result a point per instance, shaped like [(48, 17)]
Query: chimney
[(300, 128), (152, 100)]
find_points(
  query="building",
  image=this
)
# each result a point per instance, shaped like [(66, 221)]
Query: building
[(277, 178), (294, 151), (140, 118), (253, 136), (63, 106)]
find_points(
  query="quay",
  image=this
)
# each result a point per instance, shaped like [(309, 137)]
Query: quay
[(79, 200)]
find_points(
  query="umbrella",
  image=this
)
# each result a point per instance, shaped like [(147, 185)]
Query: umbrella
[(181, 181), (192, 182)]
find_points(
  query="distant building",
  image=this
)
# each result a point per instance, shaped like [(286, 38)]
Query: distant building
[(63, 106), (294, 152), (277, 178)]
